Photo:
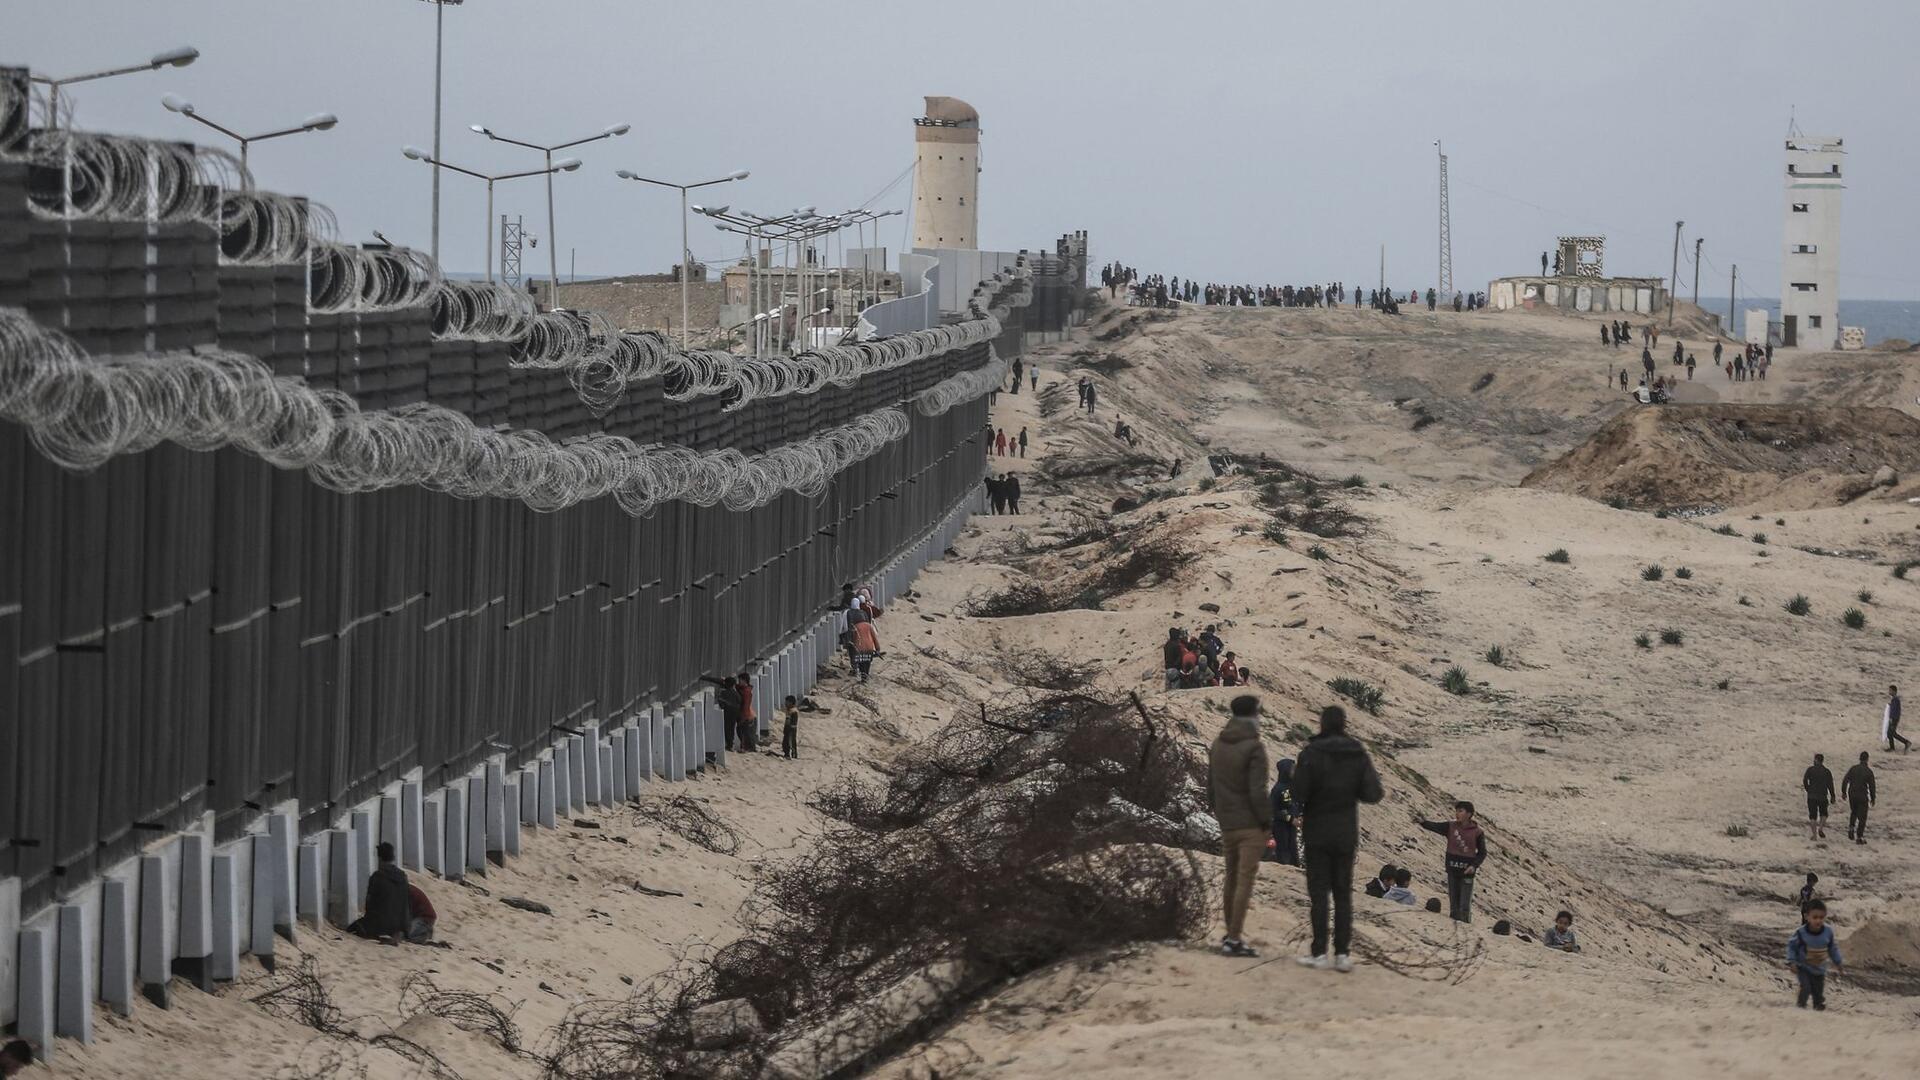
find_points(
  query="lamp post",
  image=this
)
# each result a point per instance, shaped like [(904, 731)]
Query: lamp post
[(686, 257), (180, 57), (439, 27), (564, 165), (553, 237), (316, 122)]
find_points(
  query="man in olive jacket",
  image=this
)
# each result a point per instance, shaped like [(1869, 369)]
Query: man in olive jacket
[(1237, 773), (1332, 778)]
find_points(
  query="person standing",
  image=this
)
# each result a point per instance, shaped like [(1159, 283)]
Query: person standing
[(1890, 722), (1034, 374), (1023, 442), (749, 718), (790, 730), (1858, 788), (1332, 778), (866, 646), (1093, 395), (1011, 484), (1808, 951), (1000, 442), (1466, 850), (1237, 793), (1286, 842), (1818, 783)]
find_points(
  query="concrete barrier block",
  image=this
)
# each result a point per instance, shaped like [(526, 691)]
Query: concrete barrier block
[(453, 798), (562, 779), (549, 793), (260, 928), (118, 941), (158, 911), (662, 743), (510, 824), (411, 795), (636, 759), (312, 883), (36, 1006), (433, 832), (477, 823), (617, 767), (577, 774), (362, 825), (677, 750), (590, 778), (608, 767), (389, 830), (529, 785), (196, 910), (284, 831), (346, 877), (498, 809), (223, 960), (73, 1013)]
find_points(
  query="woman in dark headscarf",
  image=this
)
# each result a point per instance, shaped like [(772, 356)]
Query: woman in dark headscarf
[(1286, 848)]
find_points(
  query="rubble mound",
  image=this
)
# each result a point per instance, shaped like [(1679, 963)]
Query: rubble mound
[(1790, 457)]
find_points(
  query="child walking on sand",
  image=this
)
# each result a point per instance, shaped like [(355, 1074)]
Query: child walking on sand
[(1808, 951)]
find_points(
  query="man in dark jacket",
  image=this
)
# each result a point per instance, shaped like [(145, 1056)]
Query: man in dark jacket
[(1332, 778), (1173, 654), (1377, 888), (1237, 791), (389, 911), (1858, 789), (1466, 850), (1818, 783)]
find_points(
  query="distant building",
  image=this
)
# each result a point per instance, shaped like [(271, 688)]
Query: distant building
[(946, 205), (1810, 268)]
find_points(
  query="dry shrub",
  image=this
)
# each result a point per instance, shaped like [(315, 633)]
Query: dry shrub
[(1135, 566), (1048, 827), (691, 821)]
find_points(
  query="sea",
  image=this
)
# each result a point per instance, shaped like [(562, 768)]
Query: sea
[(1883, 319)]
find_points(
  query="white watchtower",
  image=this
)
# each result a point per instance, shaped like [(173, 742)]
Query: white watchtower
[(1810, 267)]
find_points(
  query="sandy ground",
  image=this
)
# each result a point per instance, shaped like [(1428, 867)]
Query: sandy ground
[(1611, 778)]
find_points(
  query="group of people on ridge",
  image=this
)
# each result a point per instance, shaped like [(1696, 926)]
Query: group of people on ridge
[(1200, 658)]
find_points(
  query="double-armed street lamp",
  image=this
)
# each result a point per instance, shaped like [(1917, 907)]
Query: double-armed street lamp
[(553, 237), (686, 256), (316, 122), (563, 165)]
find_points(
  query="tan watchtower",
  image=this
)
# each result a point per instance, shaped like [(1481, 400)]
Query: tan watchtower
[(946, 212)]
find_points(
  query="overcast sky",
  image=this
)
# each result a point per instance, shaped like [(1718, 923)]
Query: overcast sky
[(1261, 141)]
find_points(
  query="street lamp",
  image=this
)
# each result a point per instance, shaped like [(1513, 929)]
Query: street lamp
[(439, 27), (563, 165), (316, 122), (553, 237), (180, 57), (686, 257)]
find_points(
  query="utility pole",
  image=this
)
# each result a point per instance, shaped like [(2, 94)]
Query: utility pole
[(1697, 241), (1446, 230), (1383, 268), (1673, 282), (1733, 282)]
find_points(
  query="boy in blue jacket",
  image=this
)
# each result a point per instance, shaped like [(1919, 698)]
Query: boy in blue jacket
[(1809, 950)]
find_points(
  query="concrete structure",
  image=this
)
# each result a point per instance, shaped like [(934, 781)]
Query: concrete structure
[(1810, 266), (1633, 296), (946, 205)]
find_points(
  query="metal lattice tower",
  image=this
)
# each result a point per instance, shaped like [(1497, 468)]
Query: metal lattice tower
[(1446, 230), (511, 234)]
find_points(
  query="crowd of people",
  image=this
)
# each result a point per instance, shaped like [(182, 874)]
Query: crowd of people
[(1159, 291), (1003, 493), (1197, 658)]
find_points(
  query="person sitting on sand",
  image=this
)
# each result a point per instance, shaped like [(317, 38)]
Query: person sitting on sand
[(1382, 882), (15, 1057), (1400, 893), (1229, 670), (1560, 934), (1193, 676), (420, 916), (1809, 950), (388, 914)]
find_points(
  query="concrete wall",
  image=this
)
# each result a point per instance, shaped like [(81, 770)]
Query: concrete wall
[(1626, 296), (1810, 257), (963, 268)]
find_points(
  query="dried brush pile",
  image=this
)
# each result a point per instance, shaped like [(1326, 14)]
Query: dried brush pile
[(1050, 826)]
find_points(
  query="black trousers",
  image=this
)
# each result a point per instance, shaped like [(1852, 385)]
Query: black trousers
[(1330, 876), (790, 741), (1812, 985), (1857, 819), (1893, 733), (1459, 895)]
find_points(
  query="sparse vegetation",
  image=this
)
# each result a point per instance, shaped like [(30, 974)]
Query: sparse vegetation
[(1738, 832), (1652, 573), (1900, 570), (1275, 532), (1643, 641), (1782, 522), (1318, 552), (1670, 636), (1723, 684), (1865, 596), (1207, 483), (1495, 655), (1361, 693), (1684, 573), (1354, 481), (1759, 538), (1727, 530), (1617, 502), (1799, 605), (1745, 602), (1662, 514), (1454, 681), (1854, 618), (1558, 555)]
